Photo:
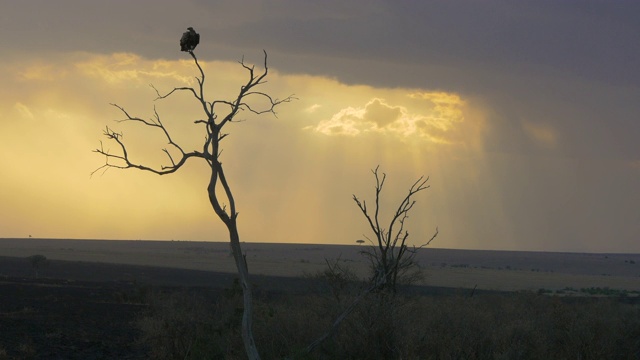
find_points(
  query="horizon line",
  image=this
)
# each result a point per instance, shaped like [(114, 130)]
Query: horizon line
[(324, 244)]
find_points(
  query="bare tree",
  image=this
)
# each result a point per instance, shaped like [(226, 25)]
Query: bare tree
[(391, 260), (217, 114), (389, 255)]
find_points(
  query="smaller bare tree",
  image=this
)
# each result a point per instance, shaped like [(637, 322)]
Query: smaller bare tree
[(391, 260), (390, 256)]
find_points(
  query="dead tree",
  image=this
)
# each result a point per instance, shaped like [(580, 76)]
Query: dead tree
[(389, 255), (217, 114)]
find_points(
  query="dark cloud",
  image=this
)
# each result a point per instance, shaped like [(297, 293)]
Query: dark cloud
[(571, 64), (587, 39)]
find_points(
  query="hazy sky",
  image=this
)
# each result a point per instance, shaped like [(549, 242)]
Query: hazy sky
[(525, 115)]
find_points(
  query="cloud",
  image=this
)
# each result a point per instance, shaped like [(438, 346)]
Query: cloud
[(42, 72), (348, 121), (432, 116), (311, 109), (127, 67), (382, 114), (375, 116), (446, 108)]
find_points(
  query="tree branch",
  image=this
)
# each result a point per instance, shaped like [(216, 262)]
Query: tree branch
[(124, 158)]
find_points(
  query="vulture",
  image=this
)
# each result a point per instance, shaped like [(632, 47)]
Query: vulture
[(189, 40)]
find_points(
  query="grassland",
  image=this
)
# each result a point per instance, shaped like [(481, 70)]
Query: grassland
[(178, 300), (490, 270)]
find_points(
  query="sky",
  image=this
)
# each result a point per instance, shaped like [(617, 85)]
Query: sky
[(524, 115)]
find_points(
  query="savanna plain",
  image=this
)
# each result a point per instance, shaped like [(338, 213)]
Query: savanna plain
[(100, 299)]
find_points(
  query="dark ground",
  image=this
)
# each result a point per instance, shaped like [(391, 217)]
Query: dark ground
[(81, 310), (57, 319)]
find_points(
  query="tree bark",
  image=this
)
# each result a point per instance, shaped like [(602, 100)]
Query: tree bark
[(247, 296), (230, 222)]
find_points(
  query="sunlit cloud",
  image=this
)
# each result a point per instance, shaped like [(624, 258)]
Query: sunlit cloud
[(435, 117), (126, 67), (348, 121), (311, 109), (42, 72), (382, 114)]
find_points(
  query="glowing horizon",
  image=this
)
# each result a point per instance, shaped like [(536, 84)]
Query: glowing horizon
[(130, 74)]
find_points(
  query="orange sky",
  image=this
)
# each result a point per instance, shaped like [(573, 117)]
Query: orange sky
[(518, 156)]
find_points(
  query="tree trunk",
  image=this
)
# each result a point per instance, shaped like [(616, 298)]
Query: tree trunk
[(238, 257), (243, 272)]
